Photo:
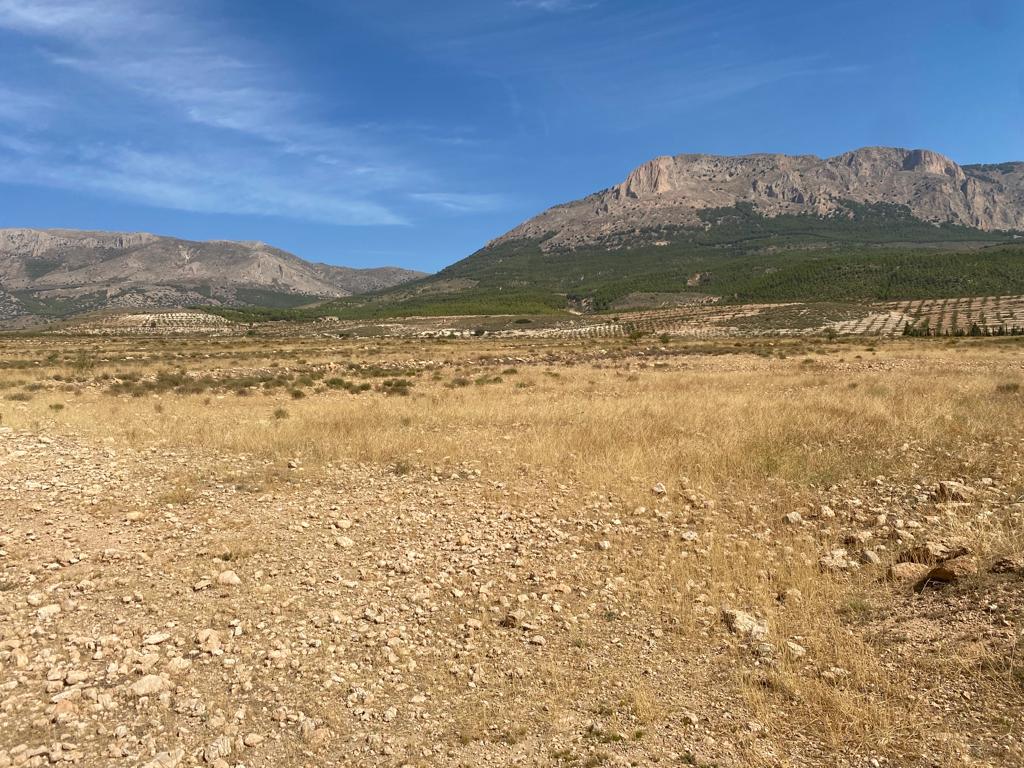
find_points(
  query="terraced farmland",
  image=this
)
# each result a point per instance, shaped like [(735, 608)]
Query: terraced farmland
[(988, 313), (159, 324)]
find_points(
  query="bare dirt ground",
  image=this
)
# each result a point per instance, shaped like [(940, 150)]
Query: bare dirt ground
[(318, 552)]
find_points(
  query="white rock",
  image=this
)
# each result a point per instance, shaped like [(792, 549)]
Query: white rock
[(228, 579), (208, 640), (166, 759), (742, 623), (178, 665), (795, 650), (148, 685)]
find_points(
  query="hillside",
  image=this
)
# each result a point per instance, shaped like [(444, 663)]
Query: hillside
[(54, 273), (873, 224)]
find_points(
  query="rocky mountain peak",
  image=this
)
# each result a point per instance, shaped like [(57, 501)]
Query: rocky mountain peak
[(651, 178), (671, 191)]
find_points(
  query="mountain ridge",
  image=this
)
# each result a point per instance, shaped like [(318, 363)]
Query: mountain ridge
[(54, 272), (672, 190)]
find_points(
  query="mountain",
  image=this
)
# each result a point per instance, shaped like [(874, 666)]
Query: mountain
[(874, 223), (672, 191), (56, 272)]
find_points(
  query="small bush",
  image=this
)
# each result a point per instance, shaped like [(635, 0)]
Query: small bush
[(348, 386), (395, 386)]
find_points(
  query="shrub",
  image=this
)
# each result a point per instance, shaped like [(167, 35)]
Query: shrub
[(395, 386)]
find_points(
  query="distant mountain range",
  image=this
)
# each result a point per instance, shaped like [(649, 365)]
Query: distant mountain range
[(55, 273), (875, 223)]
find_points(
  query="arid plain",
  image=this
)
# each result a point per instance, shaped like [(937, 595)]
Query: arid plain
[(315, 551)]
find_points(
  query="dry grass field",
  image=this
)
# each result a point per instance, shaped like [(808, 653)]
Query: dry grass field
[(315, 551)]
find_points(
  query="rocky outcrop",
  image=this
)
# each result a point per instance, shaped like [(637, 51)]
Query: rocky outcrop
[(671, 191)]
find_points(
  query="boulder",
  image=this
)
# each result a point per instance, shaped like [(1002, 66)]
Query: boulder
[(933, 552), (951, 571), (907, 573), (743, 624)]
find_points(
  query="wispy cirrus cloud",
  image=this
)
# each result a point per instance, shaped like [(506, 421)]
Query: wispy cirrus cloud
[(219, 182), (202, 121), (140, 46), (553, 5), (460, 202), (23, 108)]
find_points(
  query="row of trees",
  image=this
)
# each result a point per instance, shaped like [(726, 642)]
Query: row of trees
[(924, 329)]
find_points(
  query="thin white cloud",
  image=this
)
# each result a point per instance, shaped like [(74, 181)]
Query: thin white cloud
[(91, 19), (726, 81), (215, 183), (553, 6), (23, 108), (304, 167), (209, 77), (460, 202), (188, 95)]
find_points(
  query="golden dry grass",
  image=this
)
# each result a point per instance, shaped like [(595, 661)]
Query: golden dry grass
[(778, 421), (756, 435)]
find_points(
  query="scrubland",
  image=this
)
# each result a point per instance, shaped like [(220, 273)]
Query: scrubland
[(483, 552)]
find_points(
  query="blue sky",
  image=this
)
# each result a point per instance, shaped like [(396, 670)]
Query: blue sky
[(369, 132)]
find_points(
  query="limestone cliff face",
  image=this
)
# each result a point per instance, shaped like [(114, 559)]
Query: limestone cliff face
[(669, 191), (71, 263)]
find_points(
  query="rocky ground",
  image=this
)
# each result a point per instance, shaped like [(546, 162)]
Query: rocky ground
[(369, 618), (168, 607)]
